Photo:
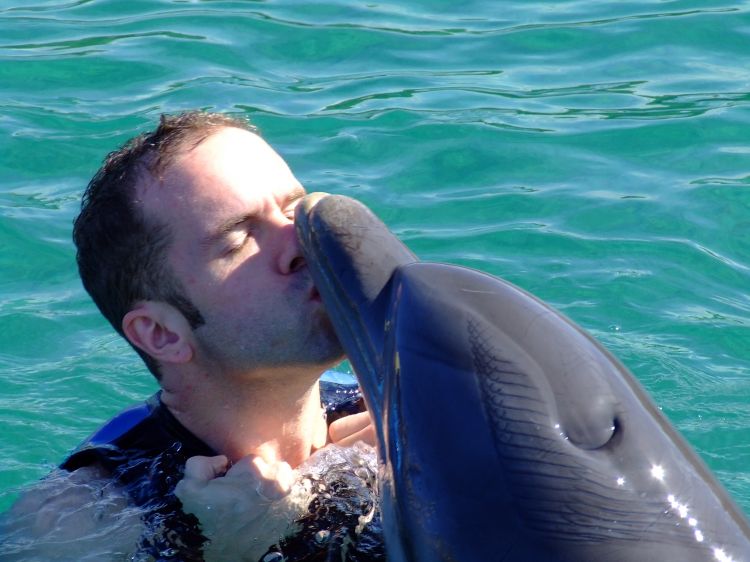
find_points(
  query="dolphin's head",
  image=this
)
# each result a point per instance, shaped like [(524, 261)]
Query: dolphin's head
[(352, 256)]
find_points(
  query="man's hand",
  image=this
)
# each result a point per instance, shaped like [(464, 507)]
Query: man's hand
[(243, 508), (348, 430), (213, 491)]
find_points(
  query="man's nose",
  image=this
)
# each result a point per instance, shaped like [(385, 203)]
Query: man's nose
[(290, 258)]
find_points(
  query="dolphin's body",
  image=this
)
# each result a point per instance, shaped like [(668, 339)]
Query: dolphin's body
[(505, 431)]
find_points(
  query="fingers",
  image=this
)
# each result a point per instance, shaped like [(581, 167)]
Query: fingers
[(217, 493), (272, 480), (240, 505), (206, 468), (199, 473), (276, 481), (348, 430), (366, 435)]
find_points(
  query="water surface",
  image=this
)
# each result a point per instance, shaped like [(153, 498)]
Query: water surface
[(596, 154)]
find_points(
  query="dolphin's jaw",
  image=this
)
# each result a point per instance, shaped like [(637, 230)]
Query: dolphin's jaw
[(340, 308), (353, 285)]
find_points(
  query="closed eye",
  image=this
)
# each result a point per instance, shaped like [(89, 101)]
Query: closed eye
[(236, 239), (236, 244), (230, 234)]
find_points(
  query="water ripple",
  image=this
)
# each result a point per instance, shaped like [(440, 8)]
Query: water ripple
[(94, 40)]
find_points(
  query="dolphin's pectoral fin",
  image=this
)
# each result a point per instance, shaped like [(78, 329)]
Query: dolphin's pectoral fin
[(514, 404), (546, 472), (593, 435), (505, 387), (568, 360), (589, 419)]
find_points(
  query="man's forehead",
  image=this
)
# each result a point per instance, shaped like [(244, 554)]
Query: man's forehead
[(230, 141), (230, 164)]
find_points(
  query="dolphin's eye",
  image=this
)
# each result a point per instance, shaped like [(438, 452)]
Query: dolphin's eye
[(616, 426)]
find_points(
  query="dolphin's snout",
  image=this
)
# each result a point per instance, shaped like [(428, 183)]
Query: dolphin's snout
[(310, 200)]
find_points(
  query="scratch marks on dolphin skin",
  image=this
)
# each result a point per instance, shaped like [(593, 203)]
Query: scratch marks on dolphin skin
[(512, 401), (474, 291), (560, 492)]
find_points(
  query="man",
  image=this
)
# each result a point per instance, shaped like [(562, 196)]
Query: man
[(186, 243)]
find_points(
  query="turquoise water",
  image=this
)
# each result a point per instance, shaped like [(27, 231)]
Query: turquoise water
[(595, 153)]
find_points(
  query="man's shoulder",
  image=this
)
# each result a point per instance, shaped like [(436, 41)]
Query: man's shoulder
[(142, 431), (143, 451), (114, 435)]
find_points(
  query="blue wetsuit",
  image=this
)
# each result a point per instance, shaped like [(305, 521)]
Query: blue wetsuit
[(145, 449)]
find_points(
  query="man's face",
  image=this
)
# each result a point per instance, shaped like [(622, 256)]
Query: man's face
[(229, 204)]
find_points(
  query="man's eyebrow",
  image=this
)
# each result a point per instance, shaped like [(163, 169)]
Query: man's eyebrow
[(226, 227), (231, 224), (294, 195)]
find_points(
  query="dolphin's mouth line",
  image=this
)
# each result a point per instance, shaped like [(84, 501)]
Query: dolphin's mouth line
[(332, 290), (341, 309)]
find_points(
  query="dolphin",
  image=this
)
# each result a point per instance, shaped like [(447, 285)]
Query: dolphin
[(505, 431)]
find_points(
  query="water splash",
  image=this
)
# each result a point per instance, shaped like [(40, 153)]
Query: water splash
[(342, 519)]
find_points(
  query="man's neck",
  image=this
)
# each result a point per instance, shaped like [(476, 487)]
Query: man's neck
[(275, 415)]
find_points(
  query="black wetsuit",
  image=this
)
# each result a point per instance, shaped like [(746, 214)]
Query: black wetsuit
[(145, 450)]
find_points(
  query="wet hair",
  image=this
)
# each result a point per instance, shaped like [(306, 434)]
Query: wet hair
[(121, 252)]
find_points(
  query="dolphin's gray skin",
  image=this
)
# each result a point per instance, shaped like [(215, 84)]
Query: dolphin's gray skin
[(505, 431)]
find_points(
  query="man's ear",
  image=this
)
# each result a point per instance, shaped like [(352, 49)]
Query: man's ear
[(160, 330)]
